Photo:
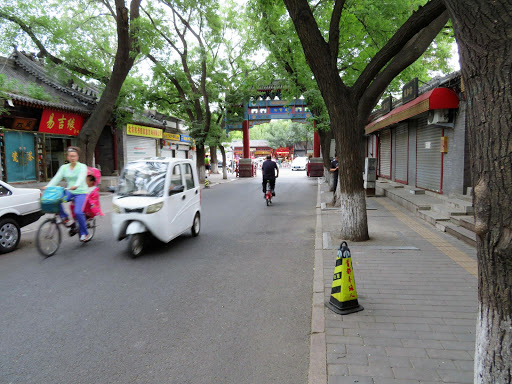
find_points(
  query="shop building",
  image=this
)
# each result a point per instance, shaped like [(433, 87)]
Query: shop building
[(258, 148), (420, 140), (36, 131), (41, 117)]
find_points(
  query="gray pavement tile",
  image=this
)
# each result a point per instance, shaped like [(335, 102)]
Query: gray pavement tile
[(412, 327), (465, 337), (382, 326), (379, 380), (436, 336), (385, 361), (464, 365), (468, 322), (386, 333), (384, 341), (432, 363), (412, 343), (337, 370), (348, 340), (343, 358), (349, 380), (336, 348), (456, 376), (366, 350), (459, 345), (409, 320), (468, 329), (338, 331), (416, 373), (406, 352), (363, 370), (449, 354)]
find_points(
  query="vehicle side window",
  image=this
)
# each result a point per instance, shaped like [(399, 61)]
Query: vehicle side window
[(176, 176), (189, 177), (4, 191)]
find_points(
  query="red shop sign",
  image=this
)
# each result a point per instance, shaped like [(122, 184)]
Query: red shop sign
[(61, 123)]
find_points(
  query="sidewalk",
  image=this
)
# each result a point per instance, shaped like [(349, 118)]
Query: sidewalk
[(418, 287)]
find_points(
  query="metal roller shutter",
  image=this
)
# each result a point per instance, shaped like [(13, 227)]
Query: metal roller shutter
[(138, 147), (385, 153), (166, 152), (401, 152), (428, 156)]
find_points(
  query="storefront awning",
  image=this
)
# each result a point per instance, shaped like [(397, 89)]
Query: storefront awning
[(438, 98)]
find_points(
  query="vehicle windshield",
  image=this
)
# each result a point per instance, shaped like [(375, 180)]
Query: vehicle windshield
[(143, 178)]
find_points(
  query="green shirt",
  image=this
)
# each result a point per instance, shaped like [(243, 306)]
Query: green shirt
[(74, 177)]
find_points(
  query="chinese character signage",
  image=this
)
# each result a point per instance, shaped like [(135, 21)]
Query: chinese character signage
[(387, 104), (186, 139), (61, 123), (139, 130), (410, 91), (23, 124), (171, 136)]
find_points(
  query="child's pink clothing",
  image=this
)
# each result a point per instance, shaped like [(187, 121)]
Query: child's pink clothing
[(92, 204)]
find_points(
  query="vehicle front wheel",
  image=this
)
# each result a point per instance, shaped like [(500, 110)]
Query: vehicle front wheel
[(136, 244), (196, 225), (9, 235)]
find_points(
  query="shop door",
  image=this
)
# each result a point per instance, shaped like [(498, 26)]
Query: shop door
[(138, 147), (401, 153), (385, 154), (20, 156), (428, 161)]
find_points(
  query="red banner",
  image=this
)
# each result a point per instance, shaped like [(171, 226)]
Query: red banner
[(61, 123)]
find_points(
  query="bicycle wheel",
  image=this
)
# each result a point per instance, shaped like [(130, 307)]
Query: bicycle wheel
[(91, 227), (48, 237)]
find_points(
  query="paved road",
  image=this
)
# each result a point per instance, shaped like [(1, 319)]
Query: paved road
[(231, 306)]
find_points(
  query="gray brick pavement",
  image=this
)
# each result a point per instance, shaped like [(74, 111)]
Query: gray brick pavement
[(418, 325)]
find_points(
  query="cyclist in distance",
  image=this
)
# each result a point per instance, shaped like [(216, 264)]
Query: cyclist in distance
[(75, 174), (270, 172)]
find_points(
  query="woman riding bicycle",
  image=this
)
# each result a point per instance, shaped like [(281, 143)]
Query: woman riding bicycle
[(75, 174)]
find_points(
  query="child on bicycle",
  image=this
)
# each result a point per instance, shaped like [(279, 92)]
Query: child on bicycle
[(91, 205)]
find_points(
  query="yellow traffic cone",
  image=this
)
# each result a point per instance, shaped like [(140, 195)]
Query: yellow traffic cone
[(343, 293)]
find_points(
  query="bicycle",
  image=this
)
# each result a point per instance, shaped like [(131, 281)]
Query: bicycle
[(49, 237), (268, 194)]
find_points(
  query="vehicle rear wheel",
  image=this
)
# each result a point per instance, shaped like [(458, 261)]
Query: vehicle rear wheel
[(136, 244), (196, 225), (9, 235), (48, 238)]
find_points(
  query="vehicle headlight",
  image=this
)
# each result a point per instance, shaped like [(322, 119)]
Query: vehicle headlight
[(155, 207), (116, 209)]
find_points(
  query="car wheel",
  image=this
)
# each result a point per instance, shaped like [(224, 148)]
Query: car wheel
[(196, 225), (9, 235), (136, 244)]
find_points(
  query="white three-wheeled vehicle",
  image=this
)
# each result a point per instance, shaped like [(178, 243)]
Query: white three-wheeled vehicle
[(158, 196)]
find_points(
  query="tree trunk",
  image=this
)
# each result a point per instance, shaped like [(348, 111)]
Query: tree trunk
[(200, 152), (92, 129), (348, 133), (325, 145), (213, 159), (224, 168), (485, 50), (125, 57)]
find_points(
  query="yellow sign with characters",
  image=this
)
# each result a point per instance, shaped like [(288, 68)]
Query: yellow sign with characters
[(139, 130), (171, 136)]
